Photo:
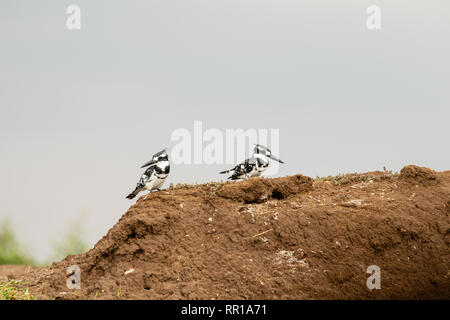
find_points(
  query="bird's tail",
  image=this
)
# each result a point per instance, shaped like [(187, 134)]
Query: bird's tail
[(131, 195), (226, 171)]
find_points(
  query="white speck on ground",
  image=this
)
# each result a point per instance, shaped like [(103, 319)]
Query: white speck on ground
[(287, 256), (128, 271), (357, 202)]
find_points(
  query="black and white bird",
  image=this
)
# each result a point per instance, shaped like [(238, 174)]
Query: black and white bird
[(254, 166), (155, 175)]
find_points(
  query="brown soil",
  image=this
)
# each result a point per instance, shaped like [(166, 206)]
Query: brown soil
[(284, 238)]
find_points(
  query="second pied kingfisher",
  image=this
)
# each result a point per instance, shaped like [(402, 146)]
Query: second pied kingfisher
[(254, 166)]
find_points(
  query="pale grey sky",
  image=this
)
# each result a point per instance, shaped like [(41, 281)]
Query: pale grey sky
[(81, 110)]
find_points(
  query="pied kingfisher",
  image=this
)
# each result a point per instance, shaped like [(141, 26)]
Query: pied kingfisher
[(254, 166), (155, 175)]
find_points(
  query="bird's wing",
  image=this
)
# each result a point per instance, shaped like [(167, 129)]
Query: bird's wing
[(226, 171), (241, 169), (238, 172), (146, 176), (149, 171), (232, 169)]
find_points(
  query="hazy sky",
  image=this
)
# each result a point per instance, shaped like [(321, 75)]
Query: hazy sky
[(81, 110)]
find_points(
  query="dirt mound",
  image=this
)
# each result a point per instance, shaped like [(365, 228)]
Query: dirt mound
[(284, 238), (418, 175), (256, 190)]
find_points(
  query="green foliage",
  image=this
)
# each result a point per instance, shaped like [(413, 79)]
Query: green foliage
[(10, 291), (11, 252), (214, 186)]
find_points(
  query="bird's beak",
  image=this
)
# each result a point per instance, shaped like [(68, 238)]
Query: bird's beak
[(275, 158), (149, 163)]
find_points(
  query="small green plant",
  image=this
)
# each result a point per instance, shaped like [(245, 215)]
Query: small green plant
[(10, 291), (214, 187)]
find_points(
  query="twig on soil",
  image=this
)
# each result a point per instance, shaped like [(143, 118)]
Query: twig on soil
[(260, 234)]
